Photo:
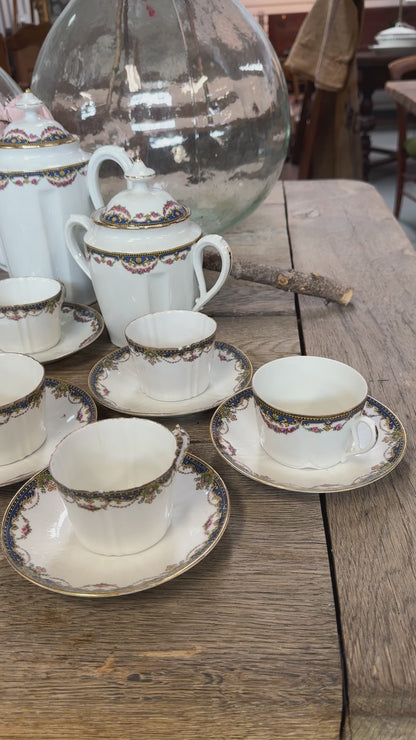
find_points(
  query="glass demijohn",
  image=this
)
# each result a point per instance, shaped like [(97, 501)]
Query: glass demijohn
[(192, 86)]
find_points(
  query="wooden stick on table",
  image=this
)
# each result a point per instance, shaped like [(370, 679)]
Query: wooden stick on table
[(290, 280)]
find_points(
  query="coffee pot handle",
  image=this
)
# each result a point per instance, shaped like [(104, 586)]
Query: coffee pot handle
[(77, 249), (221, 246), (104, 153)]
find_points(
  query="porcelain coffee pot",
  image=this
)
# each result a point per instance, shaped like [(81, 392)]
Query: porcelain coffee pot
[(42, 181), (141, 251)]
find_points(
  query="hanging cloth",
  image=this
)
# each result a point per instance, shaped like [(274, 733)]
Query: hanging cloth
[(324, 52)]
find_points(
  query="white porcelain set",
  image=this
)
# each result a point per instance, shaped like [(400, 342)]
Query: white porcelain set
[(116, 478), (30, 314), (309, 411), (141, 251), (42, 181), (173, 353), (22, 407), (143, 256), (399, 35)]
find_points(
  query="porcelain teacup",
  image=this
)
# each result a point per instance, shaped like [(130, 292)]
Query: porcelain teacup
[(309, 411), (172, 352), (30, 314), (22, 407), (116, 478)]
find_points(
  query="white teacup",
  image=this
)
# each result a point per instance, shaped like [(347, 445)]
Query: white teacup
[(172, 352), (30, 314), (115, 478), (22, 407), (309, 410)]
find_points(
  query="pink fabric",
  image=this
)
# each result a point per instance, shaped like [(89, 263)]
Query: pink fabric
[(9, 113)]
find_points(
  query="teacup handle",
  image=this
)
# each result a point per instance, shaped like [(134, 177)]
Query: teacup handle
[(76, 249), (63, 292), (356, 449), (117, 154), (182, 443), (221, 246)]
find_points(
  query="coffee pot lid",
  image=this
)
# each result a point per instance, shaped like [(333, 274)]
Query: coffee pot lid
[(33, 128), (143, 204)]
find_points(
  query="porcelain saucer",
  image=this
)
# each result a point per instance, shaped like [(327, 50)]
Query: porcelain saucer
[(234, 434), (80, 326), (40, 544), (67, 408), (113, 381)]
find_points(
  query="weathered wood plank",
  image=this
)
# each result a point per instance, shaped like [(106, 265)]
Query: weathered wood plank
[(404, 93), (349, 232)]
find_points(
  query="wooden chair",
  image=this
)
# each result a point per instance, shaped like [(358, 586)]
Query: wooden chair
[(41, 6), (406, 146), (23, 48)]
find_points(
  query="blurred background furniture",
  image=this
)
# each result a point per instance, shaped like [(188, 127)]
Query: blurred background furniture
[(23, 47), (24, 25), (404, 94), (326, 142), (4, 57), (372, 69)]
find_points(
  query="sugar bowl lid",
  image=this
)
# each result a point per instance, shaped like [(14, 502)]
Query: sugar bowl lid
[(33, 129), (142, 205)]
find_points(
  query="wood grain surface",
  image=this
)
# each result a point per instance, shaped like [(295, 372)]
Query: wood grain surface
[(404, 93), (348, 231), (244, 645)]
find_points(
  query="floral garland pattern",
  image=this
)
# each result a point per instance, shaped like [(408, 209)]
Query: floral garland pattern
[(22, 406), (92, 501), (30, 309), (115, 499), (60, 177), (119, 215), (86, 412), (283, 423), (138, 264), (185, 354), (50, 135)]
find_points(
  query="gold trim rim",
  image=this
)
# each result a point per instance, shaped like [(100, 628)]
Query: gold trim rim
[(171, 250), (179, 350), (139, 227), (309, 417), (39, 145), (26, 173), (27, 396)]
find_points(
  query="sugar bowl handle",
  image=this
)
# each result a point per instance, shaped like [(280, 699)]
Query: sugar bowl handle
[(220, 245)]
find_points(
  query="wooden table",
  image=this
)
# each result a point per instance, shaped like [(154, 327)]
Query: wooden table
[(301, 622), (403, 92), (373, 73)]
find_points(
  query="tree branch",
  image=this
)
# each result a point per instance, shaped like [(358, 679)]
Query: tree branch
[(289, 280)]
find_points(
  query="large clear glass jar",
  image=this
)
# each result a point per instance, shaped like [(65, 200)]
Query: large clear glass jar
[(193, 86), (9, 89)]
